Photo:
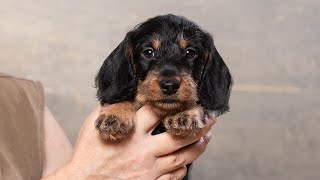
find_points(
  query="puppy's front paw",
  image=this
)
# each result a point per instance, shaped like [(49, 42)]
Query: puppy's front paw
[(113, 127), (115, 122), (184, 123)]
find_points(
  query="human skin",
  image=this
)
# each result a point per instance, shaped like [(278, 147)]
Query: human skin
[(57, 149), (138, 156)]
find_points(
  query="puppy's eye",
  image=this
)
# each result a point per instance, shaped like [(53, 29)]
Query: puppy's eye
[(191, 53), (148, 53)]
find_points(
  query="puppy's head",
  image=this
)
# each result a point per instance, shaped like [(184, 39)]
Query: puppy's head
[(168, 62)]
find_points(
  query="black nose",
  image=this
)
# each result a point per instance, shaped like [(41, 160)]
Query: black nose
[(169, 87)]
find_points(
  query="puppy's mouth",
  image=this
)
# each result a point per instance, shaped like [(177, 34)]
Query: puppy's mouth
[(169, 104), (169, 101)]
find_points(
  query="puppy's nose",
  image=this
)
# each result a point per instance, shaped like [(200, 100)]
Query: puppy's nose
[(169, 87)]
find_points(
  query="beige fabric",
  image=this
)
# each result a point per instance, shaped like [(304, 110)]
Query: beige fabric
[(21, 118)]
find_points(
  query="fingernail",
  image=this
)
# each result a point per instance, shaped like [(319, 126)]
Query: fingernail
[(207, 137)]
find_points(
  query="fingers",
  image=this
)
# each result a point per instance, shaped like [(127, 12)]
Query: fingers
[(146, 120), (182, 157), (176, 174), (166, 143)]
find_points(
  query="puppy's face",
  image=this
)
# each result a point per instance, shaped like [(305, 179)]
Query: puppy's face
[(168, 62)]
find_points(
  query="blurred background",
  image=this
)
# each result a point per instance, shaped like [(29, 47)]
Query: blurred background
[(271, 48)]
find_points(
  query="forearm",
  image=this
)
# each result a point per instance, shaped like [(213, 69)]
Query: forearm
[(56, 146), (66, 172)]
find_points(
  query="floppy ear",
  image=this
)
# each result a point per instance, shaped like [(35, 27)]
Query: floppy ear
[(115, 80), (215, 84)]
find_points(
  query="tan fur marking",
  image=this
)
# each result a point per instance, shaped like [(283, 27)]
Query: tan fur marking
[(116, 121), (156, 43), (206, 55), (148, 90), (188, 90), (183, 43), (150, 93)]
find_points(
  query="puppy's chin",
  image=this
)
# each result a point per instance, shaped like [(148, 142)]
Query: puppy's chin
[(168, 106)]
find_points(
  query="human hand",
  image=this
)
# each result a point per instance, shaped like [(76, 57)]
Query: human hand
[(138, 156)]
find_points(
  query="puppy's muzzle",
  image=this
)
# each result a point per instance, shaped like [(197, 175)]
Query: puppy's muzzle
[(169, 80)]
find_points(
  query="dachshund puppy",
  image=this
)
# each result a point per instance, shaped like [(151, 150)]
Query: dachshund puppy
[(167, 62)]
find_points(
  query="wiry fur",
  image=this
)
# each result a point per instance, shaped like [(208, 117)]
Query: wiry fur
[(128, 80)]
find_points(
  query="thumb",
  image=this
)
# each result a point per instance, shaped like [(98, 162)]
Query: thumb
[(146, 119)]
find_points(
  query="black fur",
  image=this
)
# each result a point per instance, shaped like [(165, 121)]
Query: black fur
[(116, 81), (118, 76), (215, 85)]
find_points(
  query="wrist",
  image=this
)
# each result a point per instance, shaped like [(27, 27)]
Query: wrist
[(68, 171)]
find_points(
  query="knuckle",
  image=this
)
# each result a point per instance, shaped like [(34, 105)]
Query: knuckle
[(169, 176), (176, 160), (175, 175), (172, 176)]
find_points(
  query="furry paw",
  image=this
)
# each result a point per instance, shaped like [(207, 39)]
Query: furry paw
[(113, 127), (185, 123)]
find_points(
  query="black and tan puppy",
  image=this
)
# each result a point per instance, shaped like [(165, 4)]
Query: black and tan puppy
[(167, 62)]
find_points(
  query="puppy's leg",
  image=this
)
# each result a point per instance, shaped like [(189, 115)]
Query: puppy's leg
[(116, 121), (186, 122)]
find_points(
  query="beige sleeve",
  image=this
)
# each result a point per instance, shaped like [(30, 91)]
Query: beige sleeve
[(21, 128)]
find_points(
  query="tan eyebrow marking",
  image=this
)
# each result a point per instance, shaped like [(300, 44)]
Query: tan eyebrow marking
[(183, 43), (156, 43)]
